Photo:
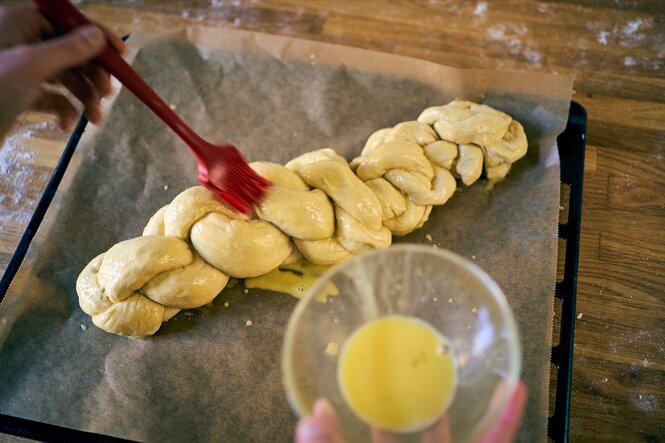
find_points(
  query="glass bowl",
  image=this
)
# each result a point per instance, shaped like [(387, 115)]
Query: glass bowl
[(449, 293)]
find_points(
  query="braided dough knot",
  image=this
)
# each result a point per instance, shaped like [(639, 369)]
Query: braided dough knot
[(183, 260), (357, 211), (395, 165), (482, 133), (109, 286)]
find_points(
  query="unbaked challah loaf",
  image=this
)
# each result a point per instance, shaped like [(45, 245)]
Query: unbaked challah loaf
[(319, 206)]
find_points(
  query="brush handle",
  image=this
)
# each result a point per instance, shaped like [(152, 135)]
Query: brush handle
[(65, 17)]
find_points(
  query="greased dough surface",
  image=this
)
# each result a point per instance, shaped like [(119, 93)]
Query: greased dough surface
[(320, 207)]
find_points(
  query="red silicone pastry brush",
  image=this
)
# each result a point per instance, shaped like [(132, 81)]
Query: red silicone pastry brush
[(222, 169)]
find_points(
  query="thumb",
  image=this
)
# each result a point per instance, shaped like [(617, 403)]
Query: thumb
[(322, 427), (504, 430), (70, 50)]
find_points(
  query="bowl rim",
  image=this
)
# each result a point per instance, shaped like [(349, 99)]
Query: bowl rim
[(514, 345)]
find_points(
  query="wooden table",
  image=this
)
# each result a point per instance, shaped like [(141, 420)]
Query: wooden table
[(616, 50)]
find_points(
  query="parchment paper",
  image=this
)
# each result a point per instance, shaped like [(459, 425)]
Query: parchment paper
[(205, 375)]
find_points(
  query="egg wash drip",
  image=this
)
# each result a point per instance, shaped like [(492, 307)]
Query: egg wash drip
[(397, 373), (295, 279)]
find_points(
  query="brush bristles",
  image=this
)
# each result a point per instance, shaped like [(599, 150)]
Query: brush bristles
[(242, 185), (245, 183)]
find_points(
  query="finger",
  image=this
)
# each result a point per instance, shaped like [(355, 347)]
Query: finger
[(113, 39), (439, 432), (68, 51), (312, 430), (505, 428), (321, 427), (325, 412), (58, 105), (99, 78), (84, 91), (22, 24)]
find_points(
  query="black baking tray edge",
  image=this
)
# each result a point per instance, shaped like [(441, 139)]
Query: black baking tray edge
[(571, 143), (572, 146)]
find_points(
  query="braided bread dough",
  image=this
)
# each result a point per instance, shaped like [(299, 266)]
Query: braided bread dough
[(319, 206)]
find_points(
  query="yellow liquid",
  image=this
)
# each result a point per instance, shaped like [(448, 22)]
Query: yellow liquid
[(397, 373), (295, 279)]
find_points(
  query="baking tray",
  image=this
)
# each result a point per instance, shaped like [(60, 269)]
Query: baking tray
[(571, 144)]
